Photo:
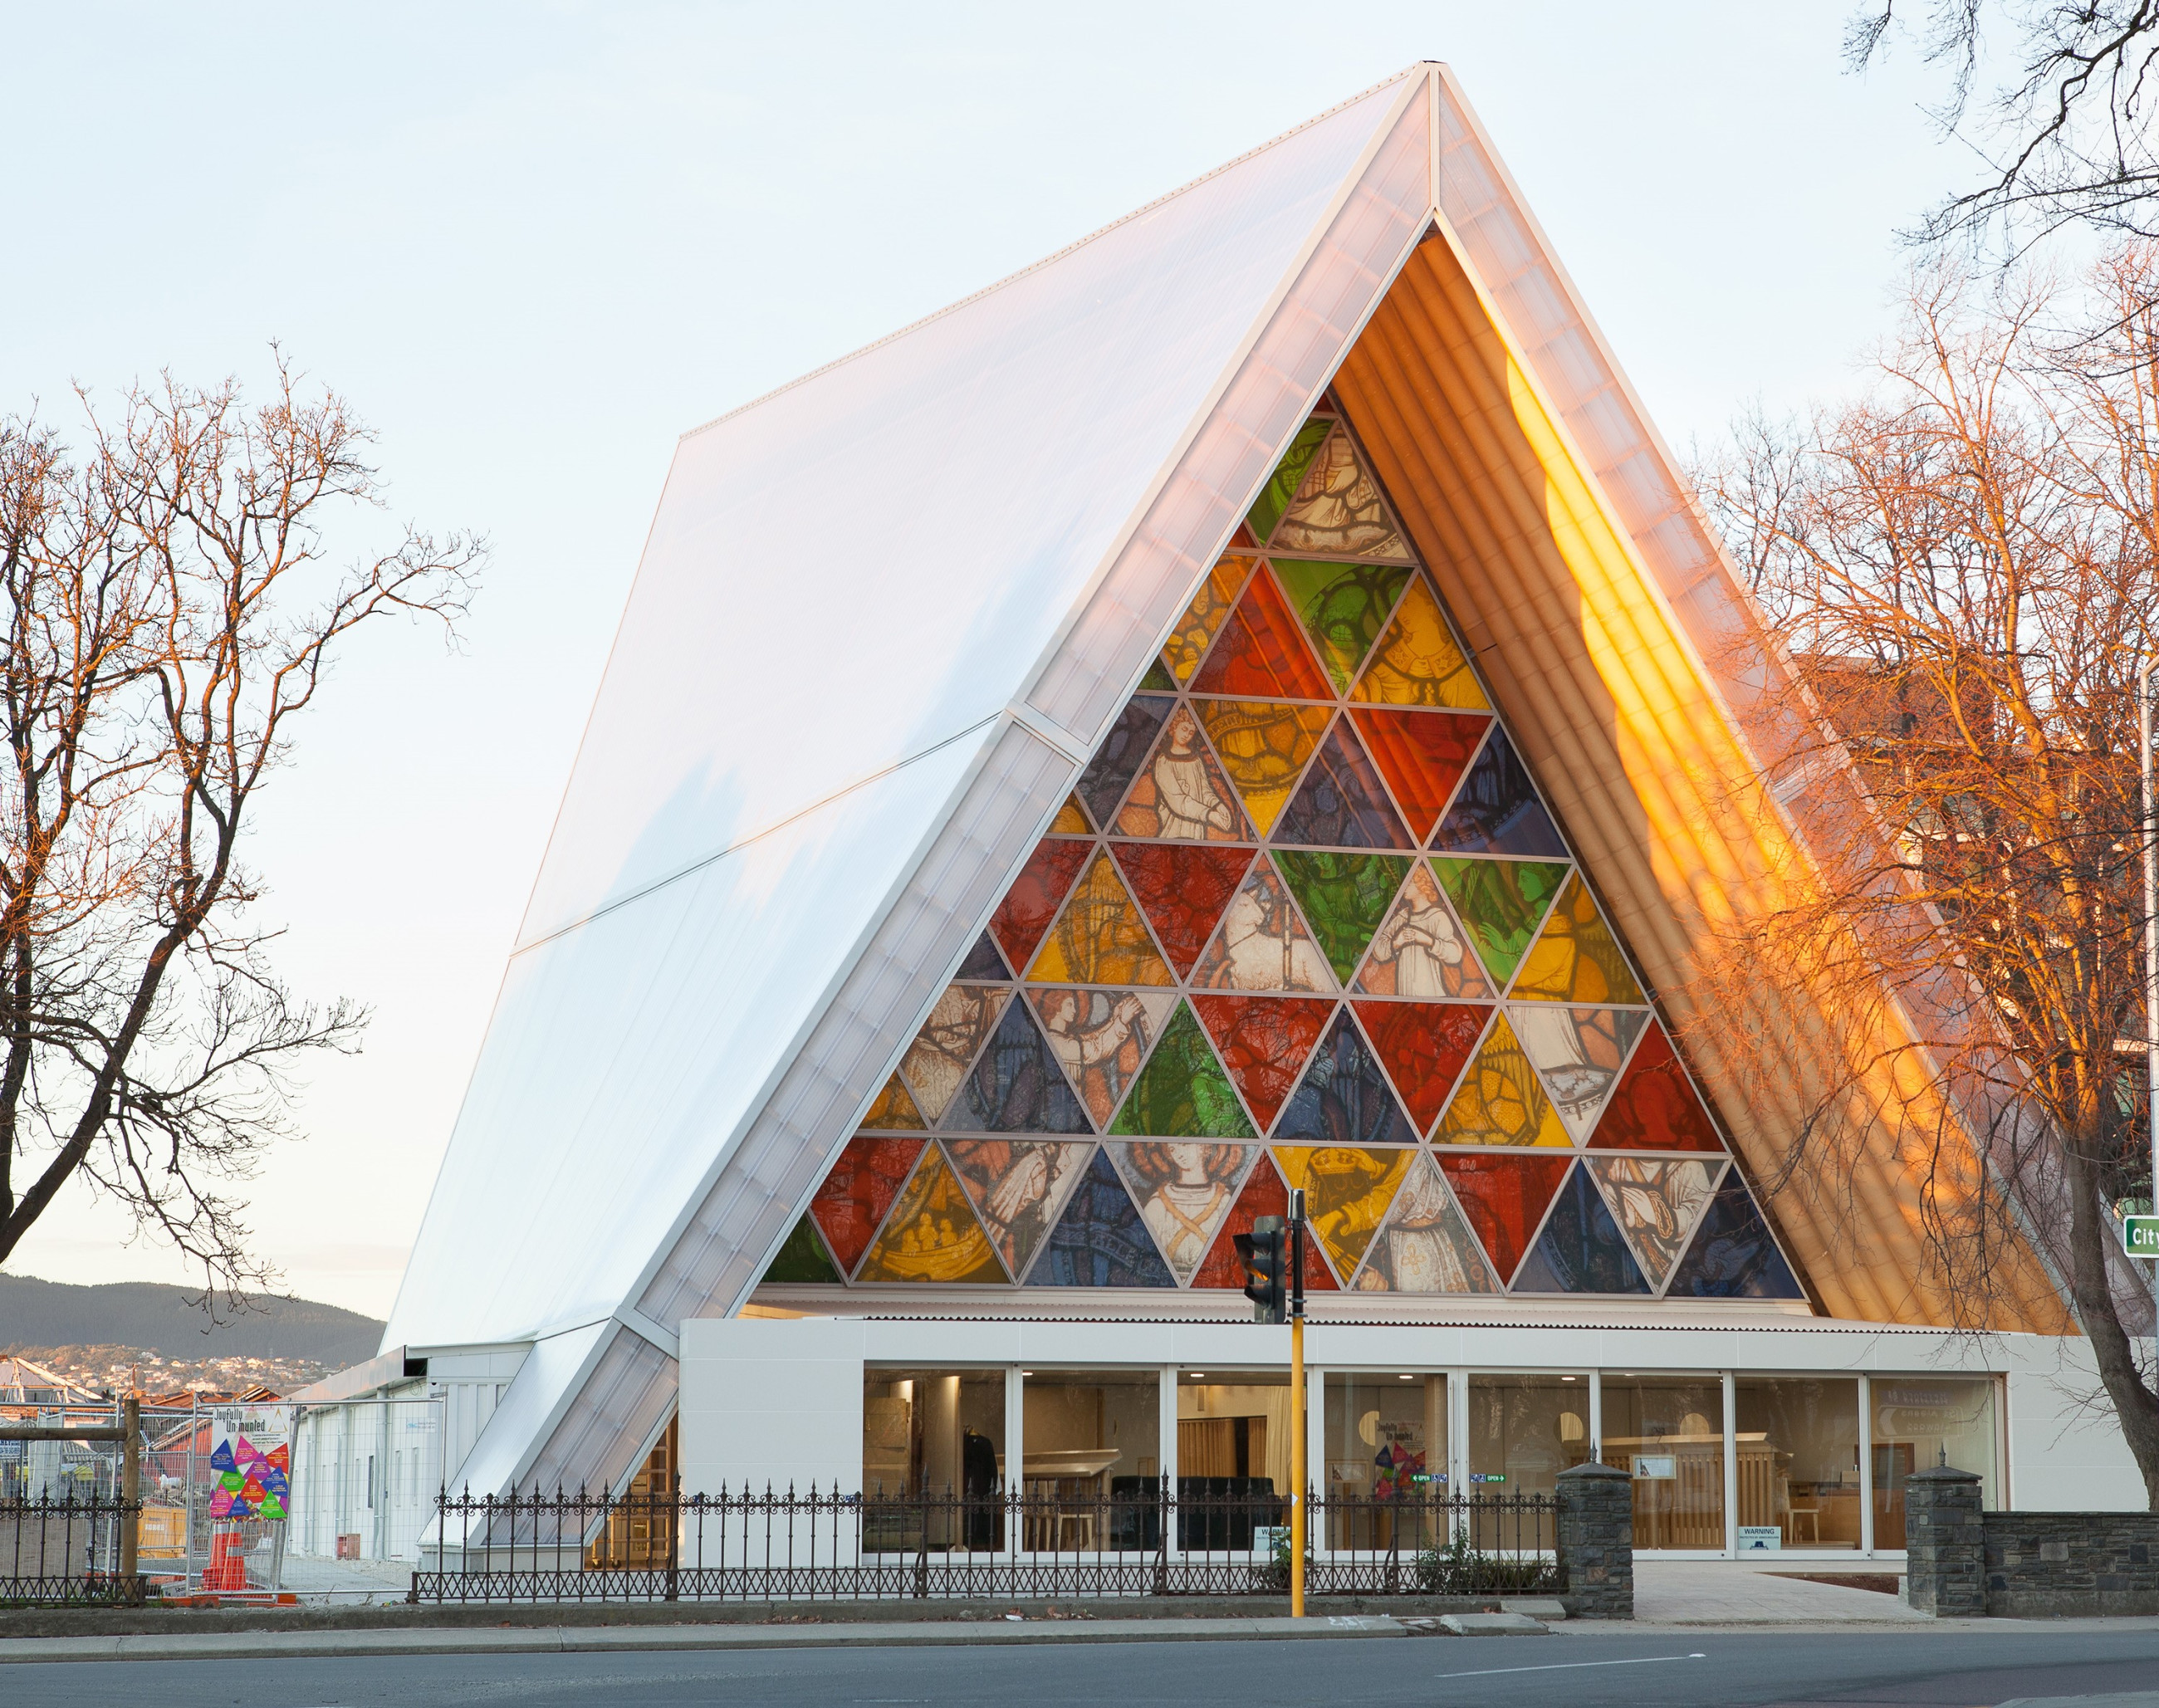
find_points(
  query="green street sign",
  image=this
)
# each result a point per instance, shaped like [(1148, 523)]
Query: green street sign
[(2139, 1235)]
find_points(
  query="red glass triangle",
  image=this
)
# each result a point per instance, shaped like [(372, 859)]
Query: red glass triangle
[(1183, 887), (1422, 755), (1264, 1041), (1504, 1198), (1243, 537), (1031, 903), (1655, 1107), (1422, 1046), (1264, 1195), (852, 1201), (1261, 652)]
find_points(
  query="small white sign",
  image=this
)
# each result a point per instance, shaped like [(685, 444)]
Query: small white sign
[(1760, 1538), (1266, 1538), (1656, 1468)]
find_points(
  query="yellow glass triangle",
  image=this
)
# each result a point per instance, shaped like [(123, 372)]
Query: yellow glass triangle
[(934, 1237), (1203, 617), (1263, 745), (1338, 510), (1500, 1101), (1346, 1191), (1576, 958), (1417, 663), (1099, 939), (894, 1112), (1071, 820)]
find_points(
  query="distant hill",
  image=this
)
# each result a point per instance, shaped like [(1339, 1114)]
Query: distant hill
[(157, 1318)]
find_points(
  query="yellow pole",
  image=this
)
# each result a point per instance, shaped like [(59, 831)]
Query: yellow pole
[(1298, 1482)]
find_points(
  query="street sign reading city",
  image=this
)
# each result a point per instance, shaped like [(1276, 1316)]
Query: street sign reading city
[(2139, 1235)]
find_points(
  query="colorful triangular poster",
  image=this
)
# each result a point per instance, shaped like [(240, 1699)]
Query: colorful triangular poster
[(1263, 745), (1344, 607), (1500, 1101), (1260, 653), (1264, 1194)]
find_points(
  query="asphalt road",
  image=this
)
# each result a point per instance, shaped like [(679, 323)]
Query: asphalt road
[(1670, 1669)]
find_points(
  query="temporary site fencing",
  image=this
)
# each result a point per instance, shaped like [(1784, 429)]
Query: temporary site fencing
[(1211, 1536)]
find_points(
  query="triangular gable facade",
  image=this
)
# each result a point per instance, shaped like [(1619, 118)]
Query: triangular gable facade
[(1247, 700)]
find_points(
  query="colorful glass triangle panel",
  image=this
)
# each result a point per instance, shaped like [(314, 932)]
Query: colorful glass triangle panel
[(1423, 1046), (1158, 679), (1204, 616), (1281, 485), (1502, 902), (893, 1110), (1031, 902), (1577, 1053), (1426, 1246), (1016, 1085), (1576, 958), (1262, 944), (1103, 783), (1421, 949), (946, 1047), (1504, 1199), (1733, 1255), (1101, 1240), (1341, 803), (1183, 890), (1422, 755), (1181, 794), (1496, 811), (935, 1239), (1346, 1194), (1344, 1098), (1581, 1250), (1655, 1107), (802, 1259), (1263, 745), (1100, 1037), (1018, 1187), (1344, 607), (1099, 939), (1343, 897), (1418, 662), (1185, 1191), (1657, 1202), (1071, 820), (1263, 1042), (983, 961), (1183, 1093), (1264, 1194), (854, 1197), (1338, 510), (1260, 652), (1500, 1101), (1243, 539)]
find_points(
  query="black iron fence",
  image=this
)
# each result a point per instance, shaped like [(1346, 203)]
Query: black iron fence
[(66, 1548), (1132, 1536)]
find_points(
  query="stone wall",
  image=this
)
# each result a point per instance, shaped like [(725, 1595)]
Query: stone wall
[(1596, 1542), (1963, 1563)]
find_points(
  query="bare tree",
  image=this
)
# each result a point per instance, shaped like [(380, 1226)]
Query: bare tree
[(2065, 132), (1959, 565), (171, 608)]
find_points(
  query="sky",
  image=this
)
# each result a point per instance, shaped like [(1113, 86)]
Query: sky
[(532, 244)]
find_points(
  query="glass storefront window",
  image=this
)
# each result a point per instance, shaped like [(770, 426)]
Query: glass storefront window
[(1797, 1439), (932, 1445), (1917, 1422), (1092, 1458), (1385, 1442), (1233, 1464), (1523, 1431), (1667, 1433)]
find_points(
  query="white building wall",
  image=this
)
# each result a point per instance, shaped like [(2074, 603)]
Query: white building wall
[(776, 1402)]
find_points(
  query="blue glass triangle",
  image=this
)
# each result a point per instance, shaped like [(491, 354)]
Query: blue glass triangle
[(1017, 1086), (983, 961), (1131, 738), (1342, 803), (1496, 810), (1344, 1099), (1581, 1249), (1101, 1240), (1733, 1257)]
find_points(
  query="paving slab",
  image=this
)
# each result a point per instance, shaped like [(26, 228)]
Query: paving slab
[(1722, 1593)]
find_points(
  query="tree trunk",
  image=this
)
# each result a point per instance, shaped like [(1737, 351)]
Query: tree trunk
[(2091, 1290)]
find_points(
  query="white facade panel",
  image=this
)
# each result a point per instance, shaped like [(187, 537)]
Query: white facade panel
[(774, 1403)]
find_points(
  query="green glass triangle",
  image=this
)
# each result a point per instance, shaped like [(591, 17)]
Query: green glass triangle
[(1502, 902), (1183, 1093), (1289, 474), (803, 1258), (1343, 897), (1344, 607), (1158, 679)]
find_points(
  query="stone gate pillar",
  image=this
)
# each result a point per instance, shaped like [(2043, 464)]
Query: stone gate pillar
[(1945, 1544), (1596, 1542)]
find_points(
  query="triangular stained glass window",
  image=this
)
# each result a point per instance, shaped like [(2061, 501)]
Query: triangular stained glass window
[(1417, 661), (1344, 607), (1502, 902), (854, 1195), (1016, 1085), (1576, 958), (1421, 949), (803, 1259), (1263, 745), (1422, 755), (1348, 1192), (1581, 1250), (1658, 1201), (1577, 1053), (1343, 897), (1504, 1198), (1185, 1191), (1262, 944), (1018, 1187), (1071, 820), (934, 1238), (1204, 616), (1264, 1194), (1655, 1107), (1099, 939), (1344, 1098), (1733, 1255), (1158, 679), (1182, 1092), (1281, 485), (1031, 902), (1338, 509), (946, 1047), (1426, 1246), (1101, 1240), (1099, 1038), (1182, 793), (983, 961), (1341, 803), (892, 1110), (1183, 890), (1124, 750), (1260, 652), (1500, 1101), (1263, 1042), (1423, 1046), (1496, 810)]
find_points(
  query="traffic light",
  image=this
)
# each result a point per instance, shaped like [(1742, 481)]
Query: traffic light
[(1265, 1255)]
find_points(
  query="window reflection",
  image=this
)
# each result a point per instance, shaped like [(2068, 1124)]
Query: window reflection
[(1798, 1448), (1668, 1434)]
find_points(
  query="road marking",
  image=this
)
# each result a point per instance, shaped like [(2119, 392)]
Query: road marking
[(1568, 1666)]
